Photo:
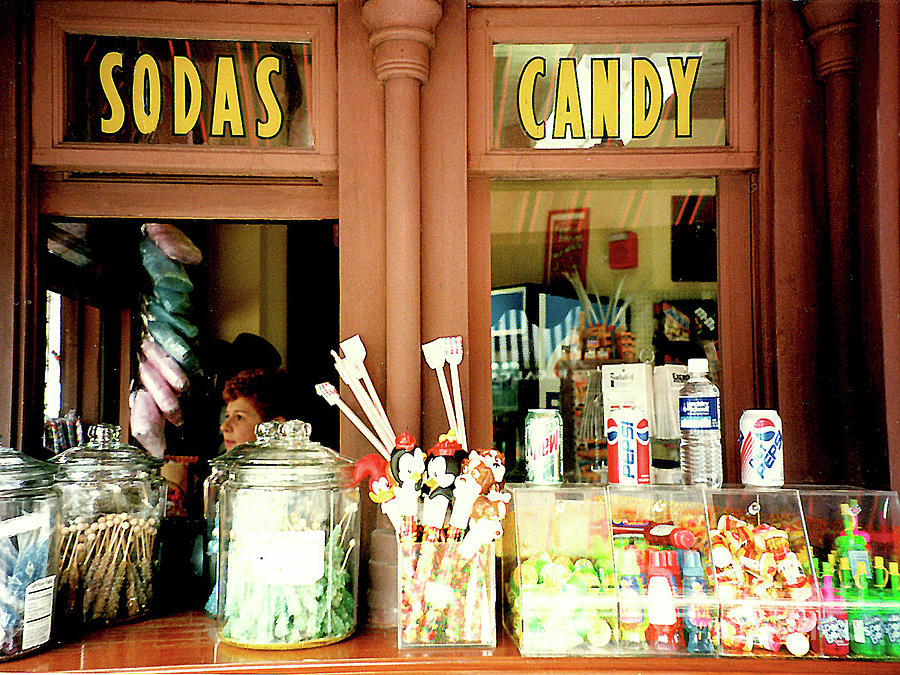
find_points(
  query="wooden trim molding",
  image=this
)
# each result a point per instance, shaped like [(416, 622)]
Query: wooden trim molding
[(53, 19)]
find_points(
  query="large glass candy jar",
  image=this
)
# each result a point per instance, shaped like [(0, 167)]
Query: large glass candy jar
[(29, 530), (113, 499), (288, 554)]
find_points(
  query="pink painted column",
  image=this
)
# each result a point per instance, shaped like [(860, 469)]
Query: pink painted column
[(401, 37), (832, 25)]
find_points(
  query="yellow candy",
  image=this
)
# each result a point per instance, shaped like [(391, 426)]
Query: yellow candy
[(600, 634)]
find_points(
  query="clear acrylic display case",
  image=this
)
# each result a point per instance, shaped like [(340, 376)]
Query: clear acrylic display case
[(762, 571), (667, 603), (446, 595), (557, 571), (854, 538)]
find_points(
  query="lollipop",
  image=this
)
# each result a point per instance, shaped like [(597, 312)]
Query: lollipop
[(407, 468), (381, 491), (475, 478)]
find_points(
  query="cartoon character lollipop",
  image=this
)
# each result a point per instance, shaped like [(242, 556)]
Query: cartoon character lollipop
[(476, 477), (381, 489), (407, 468)]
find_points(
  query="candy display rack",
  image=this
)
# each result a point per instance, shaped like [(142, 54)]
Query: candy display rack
[(446, 594), (854, 538), (762, 571), (660, 540), (557, 571)]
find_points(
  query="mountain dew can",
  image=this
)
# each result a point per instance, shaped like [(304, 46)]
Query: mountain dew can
[(543, 446)]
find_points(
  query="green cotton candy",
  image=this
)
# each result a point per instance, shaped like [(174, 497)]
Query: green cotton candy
[(157, 312), (165, 272), (174, 302), (174, 345)]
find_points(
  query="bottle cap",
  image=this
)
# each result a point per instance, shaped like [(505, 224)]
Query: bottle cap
[(698, 366)]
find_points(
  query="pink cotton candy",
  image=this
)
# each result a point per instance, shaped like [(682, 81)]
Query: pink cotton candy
[(147, 423), (166, 365), (161, 392), (173, 242)]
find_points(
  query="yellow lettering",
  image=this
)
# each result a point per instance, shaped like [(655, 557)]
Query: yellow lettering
[(567, 107), (647, 97), (684, 77), (185, 78), (227, 103), (535, 67), (146, 94), (116, 118), (604, 98), (274, 116)]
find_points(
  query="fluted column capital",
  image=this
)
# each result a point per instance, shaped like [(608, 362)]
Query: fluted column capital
[(832, 25), (401, 34)]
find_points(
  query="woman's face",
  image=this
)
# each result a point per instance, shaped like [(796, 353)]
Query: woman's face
[(241, 418)]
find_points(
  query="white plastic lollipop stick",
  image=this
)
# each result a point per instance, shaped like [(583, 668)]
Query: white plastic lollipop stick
[(327, 391), (364, 401), (357, 369), (355, 351), (435, 355), (454, 356)]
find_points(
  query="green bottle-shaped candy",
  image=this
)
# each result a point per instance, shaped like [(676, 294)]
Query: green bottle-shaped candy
[(866, 625), (892, 612)]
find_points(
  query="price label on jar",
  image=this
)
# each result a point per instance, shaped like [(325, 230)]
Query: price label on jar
[(295, 558)]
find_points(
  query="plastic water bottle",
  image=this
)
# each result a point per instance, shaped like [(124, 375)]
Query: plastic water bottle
[(701, 441)]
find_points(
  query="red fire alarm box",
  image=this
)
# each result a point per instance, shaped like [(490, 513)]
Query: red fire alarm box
[(623, 250)]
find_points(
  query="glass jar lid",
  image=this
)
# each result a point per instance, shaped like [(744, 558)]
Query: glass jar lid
[(105, 457), (285, 455), (18, 471)]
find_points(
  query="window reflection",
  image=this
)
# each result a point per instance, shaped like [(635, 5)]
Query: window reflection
[(586, 273)]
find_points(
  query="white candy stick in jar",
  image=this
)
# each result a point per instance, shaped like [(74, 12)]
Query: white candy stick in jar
[(327, 391), (364, 401), (454, 356), (355, 351), (435, 356)]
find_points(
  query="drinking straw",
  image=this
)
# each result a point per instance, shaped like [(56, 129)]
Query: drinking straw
[(435, 353), (327, 391)]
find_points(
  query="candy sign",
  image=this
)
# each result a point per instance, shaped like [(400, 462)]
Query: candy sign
[(599, 97)]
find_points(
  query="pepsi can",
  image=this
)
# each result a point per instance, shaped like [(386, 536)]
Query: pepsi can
[(543, 446), (628, 446), (762, 448)]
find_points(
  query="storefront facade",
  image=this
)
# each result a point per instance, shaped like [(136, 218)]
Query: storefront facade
[(404, 159)]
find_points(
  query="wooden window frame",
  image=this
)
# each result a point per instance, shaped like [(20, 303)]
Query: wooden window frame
[(733, 165), (191, 21), (734, 24)]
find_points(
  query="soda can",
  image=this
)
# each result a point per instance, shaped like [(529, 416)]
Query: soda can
[(762, 448), (628, 446), (543, 446)]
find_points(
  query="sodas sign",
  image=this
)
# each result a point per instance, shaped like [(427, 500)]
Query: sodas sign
[(143, 85)]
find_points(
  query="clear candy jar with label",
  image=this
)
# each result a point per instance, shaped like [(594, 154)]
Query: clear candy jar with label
[(29, 531), (288, 556), (113, 499)]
